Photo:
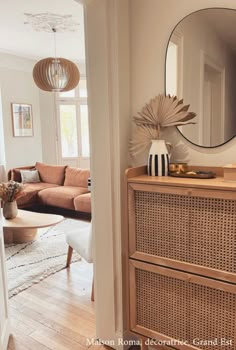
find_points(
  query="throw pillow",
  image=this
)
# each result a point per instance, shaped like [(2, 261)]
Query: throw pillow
[(29, 176)]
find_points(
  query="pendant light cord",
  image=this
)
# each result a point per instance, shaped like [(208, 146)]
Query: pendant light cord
[(55, 46)]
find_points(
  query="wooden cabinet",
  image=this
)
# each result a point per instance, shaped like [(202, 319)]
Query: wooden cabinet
[(182, 261)]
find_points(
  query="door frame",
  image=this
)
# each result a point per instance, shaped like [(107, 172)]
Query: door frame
[(206, 59), (4, 317), (107, 58)]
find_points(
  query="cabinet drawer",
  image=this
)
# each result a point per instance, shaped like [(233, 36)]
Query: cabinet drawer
[(192, 233), (182, 310)]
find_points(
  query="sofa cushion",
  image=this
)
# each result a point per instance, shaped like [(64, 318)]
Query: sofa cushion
[(83, 203), (38, 186), (53, 174), (77, 177), (62, 196), (30, 196)]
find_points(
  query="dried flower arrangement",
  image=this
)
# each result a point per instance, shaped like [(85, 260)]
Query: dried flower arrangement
[(161, 112), (10, 191)]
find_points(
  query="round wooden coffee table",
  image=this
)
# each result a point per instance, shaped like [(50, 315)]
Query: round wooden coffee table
[(23, 228)]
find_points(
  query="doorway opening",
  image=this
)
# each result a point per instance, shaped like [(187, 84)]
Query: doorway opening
[(174, 66), (57, 310), (211, 121)]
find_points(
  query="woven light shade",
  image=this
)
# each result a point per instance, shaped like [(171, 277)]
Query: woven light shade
[(56, 74)]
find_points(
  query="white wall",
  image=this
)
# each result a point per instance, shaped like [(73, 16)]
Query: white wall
[(151, 24), (48, 127), (2, 145), (17, 86)]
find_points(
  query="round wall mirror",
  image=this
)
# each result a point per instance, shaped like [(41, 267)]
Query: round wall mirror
[(201, 69)]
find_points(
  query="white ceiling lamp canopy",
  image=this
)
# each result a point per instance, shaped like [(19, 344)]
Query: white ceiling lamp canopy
[(54, 73), (45, 22)]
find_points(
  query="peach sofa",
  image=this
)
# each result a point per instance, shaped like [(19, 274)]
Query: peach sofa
[(60, 186)]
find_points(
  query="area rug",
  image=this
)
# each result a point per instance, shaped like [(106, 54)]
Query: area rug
[(29, 263)]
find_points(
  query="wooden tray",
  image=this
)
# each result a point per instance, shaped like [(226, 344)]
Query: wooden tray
[(198, 175)]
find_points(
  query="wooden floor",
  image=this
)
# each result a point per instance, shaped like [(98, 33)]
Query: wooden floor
[(56, 313)]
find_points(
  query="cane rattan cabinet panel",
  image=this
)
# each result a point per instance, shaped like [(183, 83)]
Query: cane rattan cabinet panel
[(189, 311), (182, 261), (185, 231)]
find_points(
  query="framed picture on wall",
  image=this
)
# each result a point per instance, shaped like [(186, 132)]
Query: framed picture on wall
[(22, 119)]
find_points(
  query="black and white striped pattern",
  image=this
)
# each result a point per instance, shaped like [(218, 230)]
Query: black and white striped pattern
[(158, 165)]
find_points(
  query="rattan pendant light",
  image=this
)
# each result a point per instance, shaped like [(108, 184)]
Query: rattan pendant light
[(56, 73)]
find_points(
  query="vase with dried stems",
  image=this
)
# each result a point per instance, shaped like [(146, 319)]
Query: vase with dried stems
[(161, 112), (9, 192)]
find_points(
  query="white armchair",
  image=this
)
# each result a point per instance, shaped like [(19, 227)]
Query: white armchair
[(81, 242)]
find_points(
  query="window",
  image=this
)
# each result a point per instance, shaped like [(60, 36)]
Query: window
[(83, 88), (70, 93), (68, 127), (84, 130), (73, 122)]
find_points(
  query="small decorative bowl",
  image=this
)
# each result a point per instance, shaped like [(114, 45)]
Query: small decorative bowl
[(178, 167)]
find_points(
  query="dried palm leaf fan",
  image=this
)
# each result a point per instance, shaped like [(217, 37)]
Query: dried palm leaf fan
[(161, 112), (56, 73)]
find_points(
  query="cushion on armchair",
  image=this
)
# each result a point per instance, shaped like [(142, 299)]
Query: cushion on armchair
[(81, 241)]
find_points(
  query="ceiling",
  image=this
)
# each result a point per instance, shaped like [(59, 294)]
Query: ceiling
[(20, 39)]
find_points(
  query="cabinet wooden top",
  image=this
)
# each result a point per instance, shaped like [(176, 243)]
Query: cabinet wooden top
[(137, 175)]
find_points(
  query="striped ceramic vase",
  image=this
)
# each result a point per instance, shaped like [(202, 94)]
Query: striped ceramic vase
[(158, 159)]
